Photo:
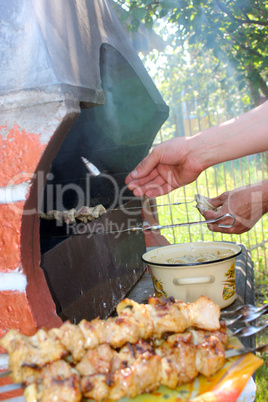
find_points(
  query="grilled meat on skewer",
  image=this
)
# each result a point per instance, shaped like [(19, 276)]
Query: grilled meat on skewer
[(176, 361), (104, 359), (84, 214), (57, 382), (134, 369), (121, 356), (31, 352), (87, 214), (171, 315), (98, 360), (72, 338), (200, 336), (134, 321), (141, 376)]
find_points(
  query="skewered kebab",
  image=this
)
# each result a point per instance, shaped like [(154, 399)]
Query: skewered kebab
[(142, 321), (176, 361), (134, 321), (84, 214), (29, 353), (108, 373), (87, 214), (54, 382), (31, 356)]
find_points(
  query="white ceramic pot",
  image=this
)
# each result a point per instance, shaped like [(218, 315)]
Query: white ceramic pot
[(187, 281)]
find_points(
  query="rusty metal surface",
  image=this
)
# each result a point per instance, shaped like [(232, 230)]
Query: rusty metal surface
[(89, 274)]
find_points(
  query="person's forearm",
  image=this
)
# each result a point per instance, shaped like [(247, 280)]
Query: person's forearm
[(241, 136)]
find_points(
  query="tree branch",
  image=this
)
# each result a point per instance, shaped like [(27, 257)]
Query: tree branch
[(241, 21), (249, 21), (248, 49)]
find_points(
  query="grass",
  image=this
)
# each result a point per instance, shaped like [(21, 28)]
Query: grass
[(262, 384), (261, 378), (211, 183)]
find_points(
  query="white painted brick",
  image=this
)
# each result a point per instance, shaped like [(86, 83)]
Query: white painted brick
[(14, 193), (13, 281)]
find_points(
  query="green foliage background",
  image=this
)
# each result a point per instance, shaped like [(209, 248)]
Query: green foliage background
[(235, 31)]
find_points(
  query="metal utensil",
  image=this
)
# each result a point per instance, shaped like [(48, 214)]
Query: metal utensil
[(90, 167), (245, 310), (122, 207), (248, 317), (248, 331), (241, 351), (158, 227)]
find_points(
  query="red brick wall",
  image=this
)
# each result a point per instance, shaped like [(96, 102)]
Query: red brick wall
[(28, 146)]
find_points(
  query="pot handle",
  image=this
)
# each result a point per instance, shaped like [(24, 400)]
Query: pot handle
[(194, 281)]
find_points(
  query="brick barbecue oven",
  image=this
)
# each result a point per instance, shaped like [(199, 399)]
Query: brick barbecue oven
[(71, 86)]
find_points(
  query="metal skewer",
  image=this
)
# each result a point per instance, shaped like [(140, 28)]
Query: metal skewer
[(158, 227), (241, 351), (122, 207), (245, 310), (245, 317), (248, 331)]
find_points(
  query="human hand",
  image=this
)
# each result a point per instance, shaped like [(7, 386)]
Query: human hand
[(170, 165), (247, 204), (179, 161)]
